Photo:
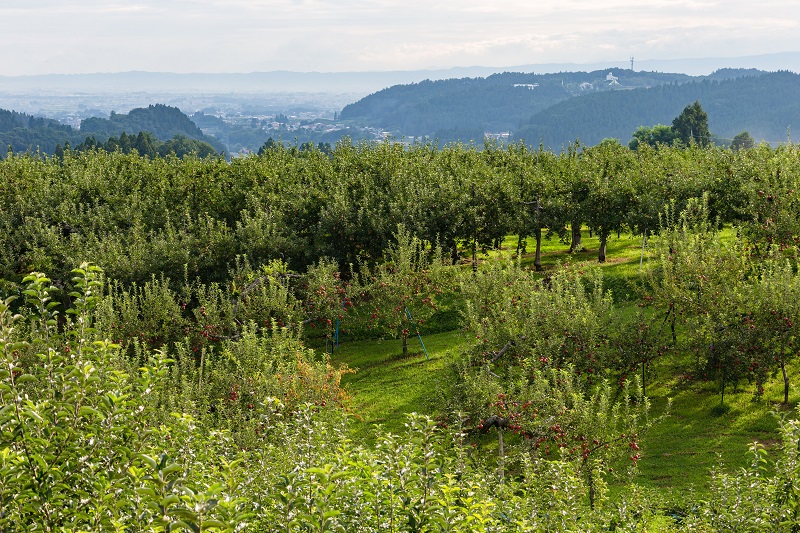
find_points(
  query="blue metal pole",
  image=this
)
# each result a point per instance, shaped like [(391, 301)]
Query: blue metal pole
[(427, 357)]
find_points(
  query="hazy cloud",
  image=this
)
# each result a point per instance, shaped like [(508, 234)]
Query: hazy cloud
[(326, 35)]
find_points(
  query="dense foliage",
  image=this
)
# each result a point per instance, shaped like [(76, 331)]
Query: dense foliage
[(22, 132), (175, 388), (90, 442), (185, 219), (691, 126)]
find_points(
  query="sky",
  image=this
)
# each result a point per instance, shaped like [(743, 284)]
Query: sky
[(237, 36)]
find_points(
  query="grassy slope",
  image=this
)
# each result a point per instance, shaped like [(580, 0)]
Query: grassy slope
[(387, 385), (678, 453)]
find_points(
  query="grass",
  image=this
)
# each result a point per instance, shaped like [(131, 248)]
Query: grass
[(387, 385), (700, 434), (620, 270), (678, 454)]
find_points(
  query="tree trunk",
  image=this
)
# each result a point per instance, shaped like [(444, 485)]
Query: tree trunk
[(501, 454), (785, 383), (474, 255), (672, 324), (474, 235), (453, 251), (644, 383), (537, 261), (575, 244), (601, 254), (641, 258), (405, 344)]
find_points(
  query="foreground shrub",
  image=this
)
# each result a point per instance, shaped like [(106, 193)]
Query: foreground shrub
[(76, 449), (90, 442)]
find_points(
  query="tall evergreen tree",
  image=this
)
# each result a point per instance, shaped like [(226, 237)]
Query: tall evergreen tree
[(692, 124)]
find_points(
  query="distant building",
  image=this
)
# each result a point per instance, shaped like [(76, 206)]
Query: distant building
[(613, 80)]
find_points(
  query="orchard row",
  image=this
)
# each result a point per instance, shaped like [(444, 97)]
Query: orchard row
[(191, 218)]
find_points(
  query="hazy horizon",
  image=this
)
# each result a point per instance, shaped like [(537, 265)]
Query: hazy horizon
[(350, 84)]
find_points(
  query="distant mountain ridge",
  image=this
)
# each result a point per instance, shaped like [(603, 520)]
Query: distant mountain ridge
[(552, 109), (362, 83)]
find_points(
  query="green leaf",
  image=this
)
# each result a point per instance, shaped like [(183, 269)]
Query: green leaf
[(208, 524), (186, 514), (30, 413), (174, 467), (146, 491), (152, 463), (170, 500), (90, 411), (183, 525), (339, 475)]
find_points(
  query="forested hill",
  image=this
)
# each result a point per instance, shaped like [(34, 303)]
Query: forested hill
[(161, 128), (463, 109), (163, 121), (24, 132), (766, 106)]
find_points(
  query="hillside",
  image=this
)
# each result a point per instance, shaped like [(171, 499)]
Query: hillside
[(22, 132), (764, 105), (163, 121), (167, 127), (463, 109)]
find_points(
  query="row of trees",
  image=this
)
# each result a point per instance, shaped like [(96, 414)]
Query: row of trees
[(140, 217), (544, 351), (700, 295), (691, 126), (144, 144)]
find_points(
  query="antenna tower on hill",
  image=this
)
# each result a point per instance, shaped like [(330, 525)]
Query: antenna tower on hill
[(631, 63)]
